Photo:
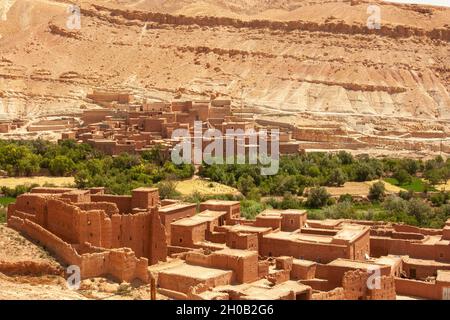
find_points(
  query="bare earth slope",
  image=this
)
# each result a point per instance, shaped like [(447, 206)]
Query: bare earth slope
[(292, 56)]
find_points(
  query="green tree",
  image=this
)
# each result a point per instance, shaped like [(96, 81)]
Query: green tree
[(317, 197), (377, 191), (61, 166)]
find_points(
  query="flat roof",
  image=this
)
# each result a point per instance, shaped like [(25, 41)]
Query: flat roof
[(423, 262), (249, 229), (303, 237), (236, 252), (220, 202), (197, 272), (350, 232), (302, 262), (175, 206), (202, 217), (264, 290), (352, 264), (443, 275), (145, 189)]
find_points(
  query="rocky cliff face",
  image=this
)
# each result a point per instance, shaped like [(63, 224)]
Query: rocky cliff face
[(280, 56)]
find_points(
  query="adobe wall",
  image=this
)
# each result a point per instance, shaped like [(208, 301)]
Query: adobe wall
[(422, 271), (381, 246), (335, 294), (361, 246), (318, 252), (91, 264), (123, 203), (157, 250), (335, 273), (144, 198), (185, 236), (291, 222), (232, 210), (301, 271), (178, 213), (415, 288), (414, 229), (243, 241), (356, 287), (268, 222), (245, 269), (183, 284), (108, 207)]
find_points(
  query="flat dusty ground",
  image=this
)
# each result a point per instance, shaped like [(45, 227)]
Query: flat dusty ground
[(360, 188), (444, 186), (187, 187), (57, 181)]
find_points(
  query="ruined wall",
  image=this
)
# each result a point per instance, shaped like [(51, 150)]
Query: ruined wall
[(358, 286), (120, 263), (108, 207), (123, 203), (335, 294)]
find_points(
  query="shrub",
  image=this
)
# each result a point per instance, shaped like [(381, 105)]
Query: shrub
[(377, 191), (167, 190), (403, 177), (317, 197), (345, 198), (251, 208), (341, 210)]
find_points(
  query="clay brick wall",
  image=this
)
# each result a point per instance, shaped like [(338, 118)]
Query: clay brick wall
[(91, 264), (274, 223), (64, 221), (33, 204), (157, 249), (422, 271), (361, 246), (322, 253), (144, 198), (123, 203), (177, 213), (233, 210), (49, 241), (355, 284), (291, 222), (108, 207), (187, 236), (335, 294), (199, 259), (244, 241), (303, 272), (380, 246), (427, 290), (334, 273), (245, 269), (181, 283), (263, 269)]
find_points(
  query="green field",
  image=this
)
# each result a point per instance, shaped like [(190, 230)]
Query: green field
[(4, 201), (416, 185)]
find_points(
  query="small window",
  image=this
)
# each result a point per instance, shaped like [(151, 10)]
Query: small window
[(181, 240)]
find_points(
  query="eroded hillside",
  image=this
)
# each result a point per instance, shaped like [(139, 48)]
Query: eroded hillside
[(292, 56)]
